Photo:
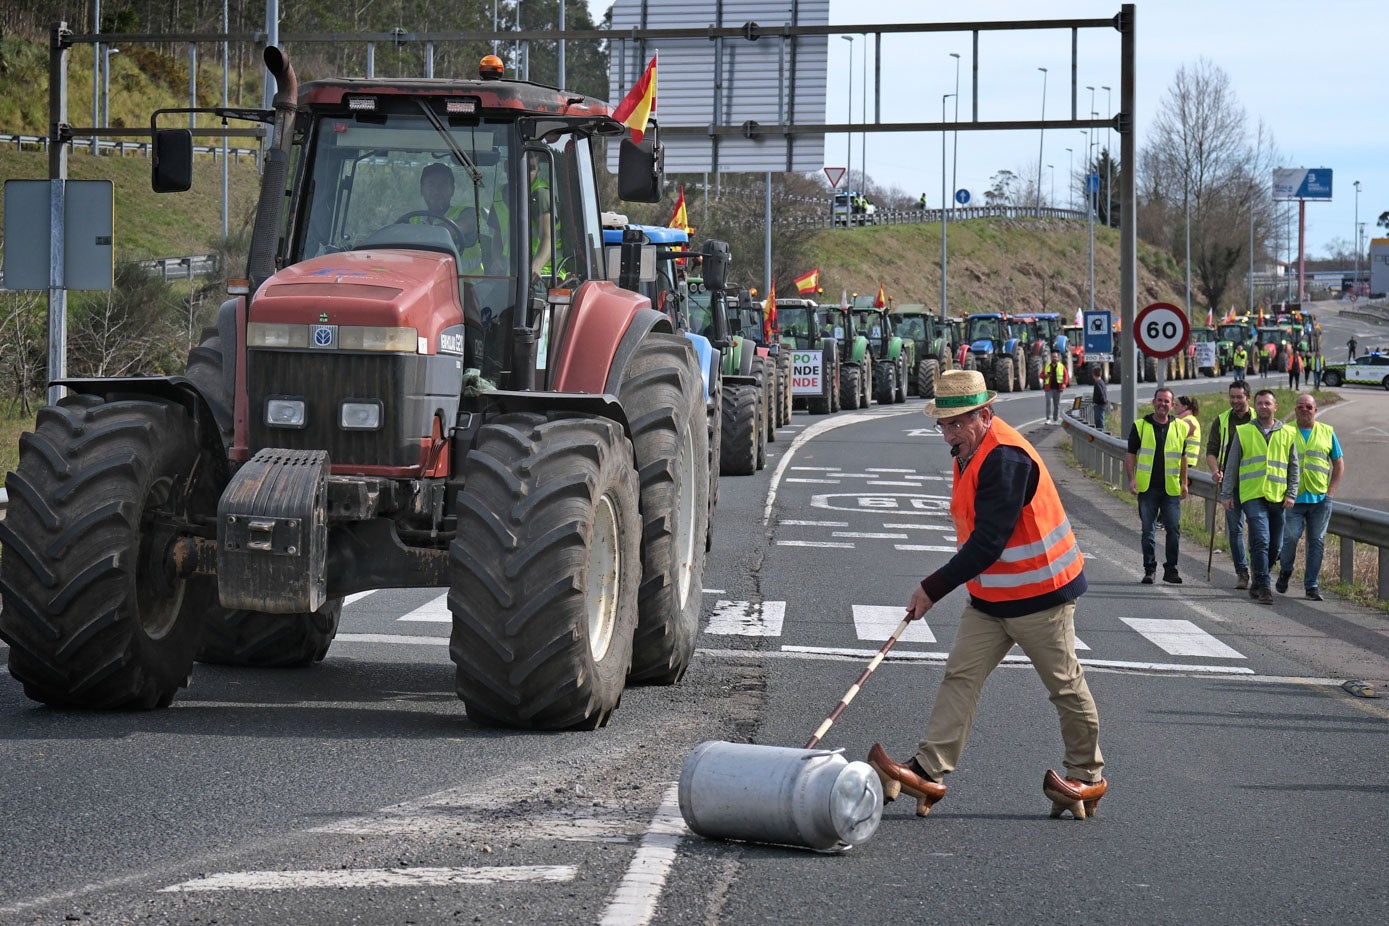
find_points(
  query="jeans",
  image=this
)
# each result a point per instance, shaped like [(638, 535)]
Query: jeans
[(1265, 537), (1098, 412), (1234, 529), (1317, 516), (1053, 404), (1150, 504)]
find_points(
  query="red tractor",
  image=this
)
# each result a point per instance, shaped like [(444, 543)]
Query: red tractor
[(449, 396)]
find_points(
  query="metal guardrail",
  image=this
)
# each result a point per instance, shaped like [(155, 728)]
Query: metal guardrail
[(1104, 454), (119, 147)]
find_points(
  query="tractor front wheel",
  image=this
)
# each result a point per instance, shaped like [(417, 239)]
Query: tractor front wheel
[(94, 612), (544, 573)]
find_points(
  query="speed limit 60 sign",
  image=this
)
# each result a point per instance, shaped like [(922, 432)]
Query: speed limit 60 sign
[(1161, 330)]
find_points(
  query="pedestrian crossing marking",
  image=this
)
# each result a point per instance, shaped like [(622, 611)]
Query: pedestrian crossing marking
[(833, 545), (867, 535), (373, 877), (1181, 638), (921, 548), (876, 623), (747, 618), (919, 527), (814, 523), (823, 482), (434, 611)]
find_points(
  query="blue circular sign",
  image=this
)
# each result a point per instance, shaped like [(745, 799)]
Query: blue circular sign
[(962, 196)]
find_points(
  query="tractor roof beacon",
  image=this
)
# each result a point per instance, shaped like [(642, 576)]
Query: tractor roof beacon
[(397, 398)]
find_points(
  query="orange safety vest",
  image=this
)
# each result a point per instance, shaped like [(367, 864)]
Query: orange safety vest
[(1041, 555)]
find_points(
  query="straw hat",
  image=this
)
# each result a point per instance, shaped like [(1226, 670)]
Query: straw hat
[(958, 392)]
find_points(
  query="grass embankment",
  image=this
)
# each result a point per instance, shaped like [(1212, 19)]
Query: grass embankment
[(1360, 588)]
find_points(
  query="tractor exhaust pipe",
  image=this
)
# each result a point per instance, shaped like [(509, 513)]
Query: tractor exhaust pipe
[(260, 265)]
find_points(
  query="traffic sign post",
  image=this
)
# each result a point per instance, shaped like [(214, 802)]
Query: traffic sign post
[(962, 197), (1161, 331)]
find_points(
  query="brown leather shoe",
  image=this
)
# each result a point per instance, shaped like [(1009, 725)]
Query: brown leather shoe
[(1079, 797), (909, 777)]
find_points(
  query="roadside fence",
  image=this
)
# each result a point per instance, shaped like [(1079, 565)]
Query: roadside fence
[(1104, 454), (121, 148)]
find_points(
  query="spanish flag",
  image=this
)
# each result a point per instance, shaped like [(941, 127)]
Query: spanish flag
[(769, 326), (1210, 317), (639, 103), (808, 283), (881, 301), (679, 218)]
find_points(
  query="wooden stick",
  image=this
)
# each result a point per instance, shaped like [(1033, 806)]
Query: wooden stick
[(856, 686)]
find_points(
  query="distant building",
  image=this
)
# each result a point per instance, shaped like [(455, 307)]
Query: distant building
[(1379, 265)]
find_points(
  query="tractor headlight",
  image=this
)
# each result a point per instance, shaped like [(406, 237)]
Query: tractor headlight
[(264, 334), (282, 412), (362, 337), (360, 415)]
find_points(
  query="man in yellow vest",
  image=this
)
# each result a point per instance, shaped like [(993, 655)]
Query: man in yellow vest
[(1241, 362), (1024, 572), (1222, 435), (1264, 462), (1156, 466), (1322, 464), (1054, 380)]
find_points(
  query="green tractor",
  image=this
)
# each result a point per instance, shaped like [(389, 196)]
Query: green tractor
[(807, 337), (892, 356), (744, 408), (855, 361), (1202, 334), (933, 342)]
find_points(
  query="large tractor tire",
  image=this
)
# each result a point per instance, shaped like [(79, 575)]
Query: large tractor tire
[(926, 373), (865, 384), (92, 612), (1019, 368), (269, 641), (1034, 372), (885, 382), (1149, 369), (849, 388), (765, 375), (823, 403), (713, 420), (206, 369), (738, 444), (836, 390), (783, 363), (900, 395), (1006, 375), (544, 572), (661, 394)]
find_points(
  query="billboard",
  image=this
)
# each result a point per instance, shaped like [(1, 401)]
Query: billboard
[(1301, 183), (727, 82)]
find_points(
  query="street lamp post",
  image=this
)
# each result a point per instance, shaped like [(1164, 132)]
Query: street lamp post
[(943, 98), (848, 135), (1108, 160), (955, 154), (1355, 285), (106, 52), (863, 114), (1051, 197), (1071, 178), (1041, 140)]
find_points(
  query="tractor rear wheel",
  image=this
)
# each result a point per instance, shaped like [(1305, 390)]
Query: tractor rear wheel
[(783, 363), (661, 394), (901, 379), (545, 569), (94, 615), (269, 641), (885, 382), (1034, 372), (738, 449), (926, 373), (1004, 373), (849, 389)]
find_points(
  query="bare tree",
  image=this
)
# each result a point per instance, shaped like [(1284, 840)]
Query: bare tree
[(23, 347), (1207, 175)]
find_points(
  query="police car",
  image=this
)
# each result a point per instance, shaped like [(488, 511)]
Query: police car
[(1370, 369)]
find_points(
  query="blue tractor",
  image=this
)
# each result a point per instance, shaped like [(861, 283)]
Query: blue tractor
[(995, 351)]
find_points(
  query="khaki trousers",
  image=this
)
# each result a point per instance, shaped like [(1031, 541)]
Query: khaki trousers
[(1048, 639)]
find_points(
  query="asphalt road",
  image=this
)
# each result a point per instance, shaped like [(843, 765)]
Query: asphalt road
[(1246, 785)]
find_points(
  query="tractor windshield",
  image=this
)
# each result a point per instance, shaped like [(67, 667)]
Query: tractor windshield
[(981, 329), (911, 326), (796, 324)]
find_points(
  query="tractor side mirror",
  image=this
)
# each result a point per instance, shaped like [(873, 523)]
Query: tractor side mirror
[(171, 161), (640, 170)]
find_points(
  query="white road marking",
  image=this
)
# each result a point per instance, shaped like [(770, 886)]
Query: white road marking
[(815, 469), (357, 596), (390, 638), (919, 527), (634, 902), (815, 543), (921, 548), (876, 622), (373, 877), (814, 523), (864, 535), (886, 469), (713, 591), (1181, 638), (434, 611), (747, 619), (823, 482), (909, 656), (908, 485)]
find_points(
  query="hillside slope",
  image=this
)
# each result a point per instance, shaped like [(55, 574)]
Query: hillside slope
[(1020, 265)]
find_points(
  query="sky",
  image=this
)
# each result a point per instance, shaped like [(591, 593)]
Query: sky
[(1311, 72)]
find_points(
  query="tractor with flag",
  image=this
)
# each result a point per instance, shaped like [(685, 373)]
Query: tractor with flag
[(755, 350), (889, 356), (855, 359), (463, 401), (806, 333)]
